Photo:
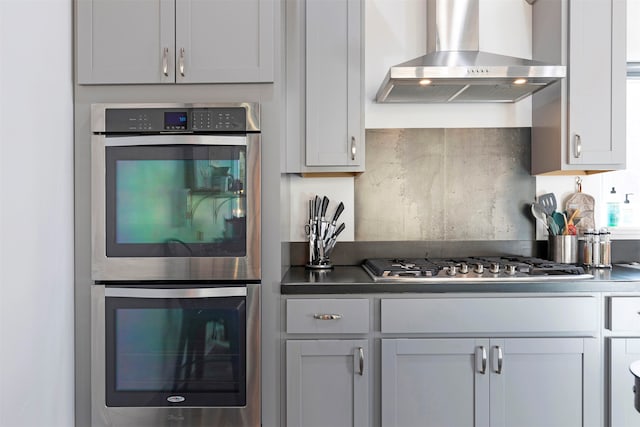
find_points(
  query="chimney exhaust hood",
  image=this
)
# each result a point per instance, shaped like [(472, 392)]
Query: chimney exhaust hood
[(454, 70)]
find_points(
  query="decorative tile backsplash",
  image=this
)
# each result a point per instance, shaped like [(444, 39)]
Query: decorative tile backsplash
[(445, 184)]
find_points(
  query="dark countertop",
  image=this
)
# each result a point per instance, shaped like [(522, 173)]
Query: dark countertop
[(354, 280)]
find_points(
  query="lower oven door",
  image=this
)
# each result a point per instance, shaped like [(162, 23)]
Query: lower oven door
[(175, 355)]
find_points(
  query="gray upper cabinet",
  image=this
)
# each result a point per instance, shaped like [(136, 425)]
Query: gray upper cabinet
[(325, 129), (579, 123), (174, 41)]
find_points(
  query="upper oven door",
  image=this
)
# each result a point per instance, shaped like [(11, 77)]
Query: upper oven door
[(176, 207)]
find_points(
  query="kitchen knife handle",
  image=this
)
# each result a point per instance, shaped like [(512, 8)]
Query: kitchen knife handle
[(483, 369), (338, 212), (361, 360), (320, 316), (181, 64), (353, 148), (325, 204), (165, 61), (499, 351), (577, 146)]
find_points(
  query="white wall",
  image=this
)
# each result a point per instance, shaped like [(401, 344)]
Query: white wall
[(36, 214)]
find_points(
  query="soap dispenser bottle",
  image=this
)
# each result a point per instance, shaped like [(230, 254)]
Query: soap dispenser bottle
[(627, 211), (613, 209)]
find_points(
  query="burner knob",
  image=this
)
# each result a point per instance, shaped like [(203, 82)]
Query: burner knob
[(464, 268), (479, 269), (451, 271), (511, 269), (494, 268)]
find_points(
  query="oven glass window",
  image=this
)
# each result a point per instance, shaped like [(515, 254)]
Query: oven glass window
[(167, 351), (165, 201)]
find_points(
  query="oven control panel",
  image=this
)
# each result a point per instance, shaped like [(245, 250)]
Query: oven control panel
[(178, 120)]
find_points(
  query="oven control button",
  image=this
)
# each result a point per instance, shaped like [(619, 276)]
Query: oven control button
[(479, 268), (464, 268), (494, 268), (451, 271), (510, 269)]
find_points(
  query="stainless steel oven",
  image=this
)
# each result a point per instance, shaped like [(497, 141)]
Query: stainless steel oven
[(175, 191), (175, 222), (180, 354)]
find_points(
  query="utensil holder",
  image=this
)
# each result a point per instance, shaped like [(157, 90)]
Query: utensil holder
[(563, 249)]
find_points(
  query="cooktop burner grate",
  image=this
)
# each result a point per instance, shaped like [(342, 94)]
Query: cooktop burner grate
[(489, 268)]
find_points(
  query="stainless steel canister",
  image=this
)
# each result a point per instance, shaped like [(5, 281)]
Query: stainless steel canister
[(563, 249)]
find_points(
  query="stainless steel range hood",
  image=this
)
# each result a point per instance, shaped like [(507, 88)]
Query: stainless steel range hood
[(454, 70)]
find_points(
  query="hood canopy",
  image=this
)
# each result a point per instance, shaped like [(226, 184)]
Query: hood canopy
[(455, 70)]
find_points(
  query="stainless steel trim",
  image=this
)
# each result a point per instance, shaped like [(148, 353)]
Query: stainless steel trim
[(252, 110), (361, 360), (577, 146), (319, 316), (165, 61), (483, 369), (500, 358), (181, 64), (103, 416), (237, 291), (633, 70)]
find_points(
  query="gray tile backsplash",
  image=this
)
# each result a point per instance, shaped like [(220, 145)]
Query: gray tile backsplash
[(445, 184)]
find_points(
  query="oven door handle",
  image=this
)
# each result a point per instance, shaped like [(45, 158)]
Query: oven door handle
[(236, 291), (173, 138)]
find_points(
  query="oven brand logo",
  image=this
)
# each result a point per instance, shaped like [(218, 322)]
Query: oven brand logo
[(176, 399)]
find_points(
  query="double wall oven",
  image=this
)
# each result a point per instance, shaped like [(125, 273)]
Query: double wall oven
[(175, 215)]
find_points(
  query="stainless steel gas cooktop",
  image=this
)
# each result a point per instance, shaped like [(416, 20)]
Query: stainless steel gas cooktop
[(482, 269)]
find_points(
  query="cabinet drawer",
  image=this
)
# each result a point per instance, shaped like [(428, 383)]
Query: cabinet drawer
[(327, 316), (490, 315), (625, 314)]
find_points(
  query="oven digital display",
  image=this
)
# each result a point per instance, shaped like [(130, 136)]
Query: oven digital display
[(175, 120)]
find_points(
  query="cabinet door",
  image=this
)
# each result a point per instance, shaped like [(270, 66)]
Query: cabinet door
[(596, 88), (544, 382), (327, 383), (624, 351), (334, 130), (224, 41), (125, 41), (435, 382)]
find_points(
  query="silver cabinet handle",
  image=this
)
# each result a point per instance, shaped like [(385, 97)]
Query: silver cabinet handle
[(353, 148), (181, 64), (499, 350), (483, 369), (361, 358), (165, 61), (327, 316), (578, 146)]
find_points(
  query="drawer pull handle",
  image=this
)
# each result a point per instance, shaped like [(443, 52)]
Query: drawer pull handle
[(361, 358), (327, 316)]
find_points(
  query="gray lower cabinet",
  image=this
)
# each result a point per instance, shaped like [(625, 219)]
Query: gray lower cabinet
[(324, 42), (623, 351), (327, 383), (174, 41), (579, 122), (498, 382)]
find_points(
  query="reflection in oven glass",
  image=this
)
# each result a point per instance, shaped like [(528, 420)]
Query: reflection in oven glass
[(177, 350)]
